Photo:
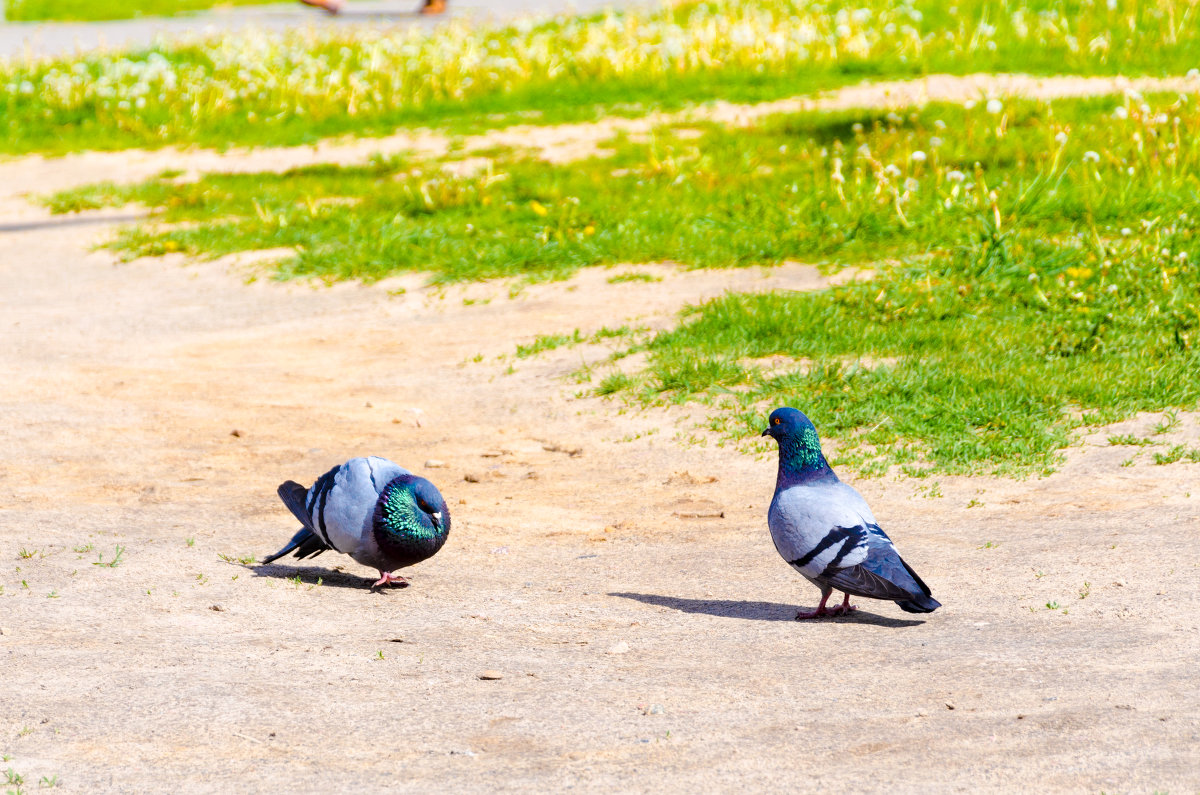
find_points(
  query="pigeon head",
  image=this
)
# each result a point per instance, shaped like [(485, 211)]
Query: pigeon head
[(800, 456), (411, 512)]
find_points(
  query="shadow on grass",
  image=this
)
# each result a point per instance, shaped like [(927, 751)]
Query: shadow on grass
[(756, 611), (330, 578)]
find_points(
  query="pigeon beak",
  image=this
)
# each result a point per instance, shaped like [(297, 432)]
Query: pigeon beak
[(437, 519), (766, 432)]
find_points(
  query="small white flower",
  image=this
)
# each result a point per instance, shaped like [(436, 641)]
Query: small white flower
[(894, 118), (1166, 252), (955, 176), (1181, 256), (1192, 74), (1078, 296), (911, 184), (1119, 112), (994, 106), (1112, 288), (918, 156), (935, 142), (1126, 232), (1061, 138), (1161, 119), (1091, 157), (1033, 277), (939, 124), (948, 203), (891, 170), (864, 151), (857, 127), (843, 31), (1129, 171)]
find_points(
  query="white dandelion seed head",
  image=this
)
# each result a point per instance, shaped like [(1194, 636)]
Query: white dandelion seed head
[(955, 176), (1091, 157), (1061, 138), (918, 156), (994, 106)]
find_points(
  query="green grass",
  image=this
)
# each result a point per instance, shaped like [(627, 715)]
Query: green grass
[(296, 88), (91, 10), (1033, 264)]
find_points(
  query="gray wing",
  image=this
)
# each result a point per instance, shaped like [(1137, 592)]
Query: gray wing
[(820, 527), (882, 574), (342, 501)]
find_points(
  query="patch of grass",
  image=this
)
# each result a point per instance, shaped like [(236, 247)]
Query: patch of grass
[(294, 88), (1128, 439), (621, 278), (548, 342), (1177, 453), (87, 10), (26, 554), (83, 548), (244, 560), (191, 542)]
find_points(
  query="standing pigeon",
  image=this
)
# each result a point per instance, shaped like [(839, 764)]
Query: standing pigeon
[(824, 529), (381, 515)]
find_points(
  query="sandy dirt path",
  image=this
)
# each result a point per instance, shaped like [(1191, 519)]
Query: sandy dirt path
[(643, 647)]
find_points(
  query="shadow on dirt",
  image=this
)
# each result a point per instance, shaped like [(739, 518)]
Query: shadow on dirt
[(309, 575), (756, 611)]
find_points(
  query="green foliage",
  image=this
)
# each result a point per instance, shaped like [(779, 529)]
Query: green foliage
[(87, 10), (296, 88)]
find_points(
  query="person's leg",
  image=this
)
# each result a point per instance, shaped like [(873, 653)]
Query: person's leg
[(331, 6)]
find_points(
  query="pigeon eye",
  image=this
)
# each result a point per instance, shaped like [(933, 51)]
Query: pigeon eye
[(776, 421)]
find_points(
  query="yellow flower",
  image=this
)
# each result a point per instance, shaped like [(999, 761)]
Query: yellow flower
[(537, 207), (1079, 273)]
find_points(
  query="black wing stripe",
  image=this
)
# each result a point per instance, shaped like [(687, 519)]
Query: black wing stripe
[(843, 534)]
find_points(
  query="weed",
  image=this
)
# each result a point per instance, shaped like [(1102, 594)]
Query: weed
[(548, 342), (1169, 422), (974, 503), (989, 545), (116, 559), (191, 542), (1177, 452), (244, 560), (52, 595), (48, 782), (83, 548), (1087, 589), (26, 554), (1052, 605)]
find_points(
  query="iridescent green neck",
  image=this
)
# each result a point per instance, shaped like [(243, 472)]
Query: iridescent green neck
[(400, 519), (800, 457)]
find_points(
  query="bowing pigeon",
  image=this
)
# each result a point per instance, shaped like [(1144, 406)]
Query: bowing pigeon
[(381, 515), (824, 529)]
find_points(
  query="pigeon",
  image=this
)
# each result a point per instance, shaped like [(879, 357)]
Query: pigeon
[(376, 512), (824, 529)]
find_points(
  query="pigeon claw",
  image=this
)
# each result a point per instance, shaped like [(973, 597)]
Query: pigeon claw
[(386, 577)]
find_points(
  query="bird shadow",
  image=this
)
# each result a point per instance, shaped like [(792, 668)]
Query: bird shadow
[(310, 575), (756, 611)]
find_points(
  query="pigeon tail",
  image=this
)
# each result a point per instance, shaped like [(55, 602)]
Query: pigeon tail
[(305, 543), (922, 604), (294, 497)]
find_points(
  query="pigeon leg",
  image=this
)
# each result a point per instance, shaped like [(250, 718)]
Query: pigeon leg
[(844, 609), (386, 577), (820, 611)]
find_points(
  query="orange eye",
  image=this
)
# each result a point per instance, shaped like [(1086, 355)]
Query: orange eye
[(776, 421)]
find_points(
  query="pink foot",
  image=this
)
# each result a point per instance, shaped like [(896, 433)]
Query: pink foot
[(386, 577), (845, 608)]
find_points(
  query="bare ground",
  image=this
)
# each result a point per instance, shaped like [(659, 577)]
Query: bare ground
[(619, 577)]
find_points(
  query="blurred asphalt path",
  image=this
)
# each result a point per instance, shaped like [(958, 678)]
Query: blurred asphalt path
[(40, 39)]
